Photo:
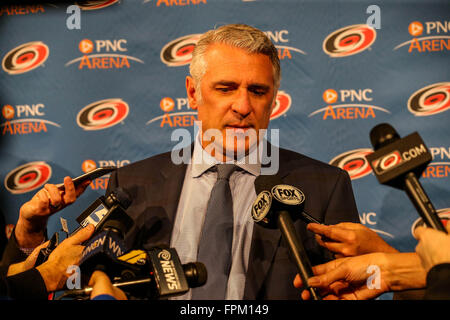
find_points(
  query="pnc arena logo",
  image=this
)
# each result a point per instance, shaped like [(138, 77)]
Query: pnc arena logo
[(102, 114), (178, 52), (28, 177), (181, 117), (349, 40), (101, 183), (95, 4), (25, 57), (444, 215), (430, 100), (432, 37), (103, 54), (440, 166), (24, 119), (280, 40), (354, 162), (351, 104), (12, 10)]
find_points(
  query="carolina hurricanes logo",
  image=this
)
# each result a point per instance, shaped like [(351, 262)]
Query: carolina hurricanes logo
[(95, 4), (387, 162), (444, 215), (102, 114), (430, 100), (349, 40), (282, 105), (179, 51), (28, 177), (354, 162), (25, 58)]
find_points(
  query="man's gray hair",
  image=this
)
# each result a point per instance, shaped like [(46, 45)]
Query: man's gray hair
[(240, 36)]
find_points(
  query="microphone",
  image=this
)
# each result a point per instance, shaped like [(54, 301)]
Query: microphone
[(397, 162), (157, 273), (99, 211), (272, 208), (107, 243)]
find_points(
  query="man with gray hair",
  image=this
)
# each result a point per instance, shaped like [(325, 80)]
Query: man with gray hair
[(202, 207)]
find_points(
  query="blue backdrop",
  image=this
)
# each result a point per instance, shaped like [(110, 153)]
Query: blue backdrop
[(112, 92)]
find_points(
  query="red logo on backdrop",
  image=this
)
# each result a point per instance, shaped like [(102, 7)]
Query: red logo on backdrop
[(102, 114), (354, 162), (444, 215), (349, 40), (28, 177), (282, 105), (25, 57), (95, 4), (430, 100), (179, 51), (387, 162)]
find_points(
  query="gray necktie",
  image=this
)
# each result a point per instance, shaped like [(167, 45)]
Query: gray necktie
[(214, 248)]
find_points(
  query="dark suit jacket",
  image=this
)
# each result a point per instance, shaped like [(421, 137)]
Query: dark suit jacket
[(438, 282), (155, 184)]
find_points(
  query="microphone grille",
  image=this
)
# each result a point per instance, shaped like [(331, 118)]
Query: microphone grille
[(122, 197), (382, 135)]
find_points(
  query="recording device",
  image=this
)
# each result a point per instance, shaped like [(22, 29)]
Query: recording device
[(107, 208), (272, 208), (44, 253), (397, 162), (153, 274), (107, 242), (91, 175)]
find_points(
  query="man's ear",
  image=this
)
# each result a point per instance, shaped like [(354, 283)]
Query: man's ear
[(191, 92)]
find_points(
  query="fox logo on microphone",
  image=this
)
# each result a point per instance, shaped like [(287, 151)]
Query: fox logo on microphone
[(261, 207), (288, 194)]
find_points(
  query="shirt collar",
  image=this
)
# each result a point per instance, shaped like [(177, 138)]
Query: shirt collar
[(202, 161)]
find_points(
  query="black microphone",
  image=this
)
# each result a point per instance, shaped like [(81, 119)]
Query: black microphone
[(398, 162), (101, 209), (154, 274), (107, 242), (272, 208)]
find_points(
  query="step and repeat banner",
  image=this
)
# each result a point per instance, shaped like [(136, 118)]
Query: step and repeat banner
[(103, 83)]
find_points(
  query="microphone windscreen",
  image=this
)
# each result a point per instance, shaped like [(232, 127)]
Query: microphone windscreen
[(122, 197), (266, 182), (382, 135)]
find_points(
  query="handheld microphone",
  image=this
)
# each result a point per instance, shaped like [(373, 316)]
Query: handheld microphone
[(154, 274), (397, 162), (107, 243), (272, 208)]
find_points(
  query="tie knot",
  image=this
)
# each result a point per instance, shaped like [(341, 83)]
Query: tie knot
[(224, 171)]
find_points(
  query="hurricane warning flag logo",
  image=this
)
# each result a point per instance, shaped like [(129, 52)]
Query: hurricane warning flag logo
[(28, 177), (430, 100), (102, 114), (354, 162), (179, 51), (95, 4), (349, 40), (25, 57), (282, 105)]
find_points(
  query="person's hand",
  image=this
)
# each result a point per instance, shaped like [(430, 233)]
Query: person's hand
[(101, 284), (28, 263), (68, 253), (366, 276), (349, 239), (33, 216), (433, 247), (345, 279)]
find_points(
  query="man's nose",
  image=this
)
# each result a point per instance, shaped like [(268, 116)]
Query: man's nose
[(242, 105)]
